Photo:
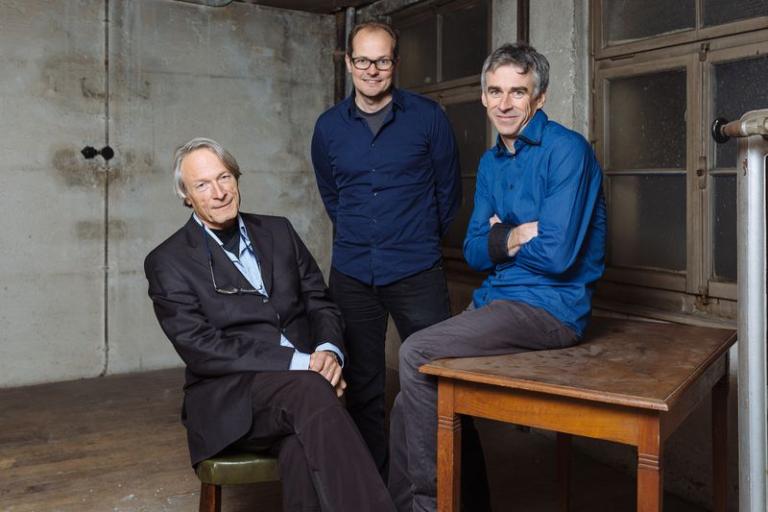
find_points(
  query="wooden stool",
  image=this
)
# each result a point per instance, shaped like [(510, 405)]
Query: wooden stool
[(240, 468)]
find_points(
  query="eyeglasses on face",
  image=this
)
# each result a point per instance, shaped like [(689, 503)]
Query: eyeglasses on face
[(363, 63)]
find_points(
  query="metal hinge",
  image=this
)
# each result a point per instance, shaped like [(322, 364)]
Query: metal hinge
[(703, 50), (701, 173)]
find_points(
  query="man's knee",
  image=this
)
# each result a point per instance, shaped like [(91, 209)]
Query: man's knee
[(312, 389), (412, 353)]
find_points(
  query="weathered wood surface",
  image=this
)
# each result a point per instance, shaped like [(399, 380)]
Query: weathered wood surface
[(637, 364), (109, 444)]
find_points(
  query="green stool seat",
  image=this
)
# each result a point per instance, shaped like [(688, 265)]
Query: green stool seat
[(237, 468)]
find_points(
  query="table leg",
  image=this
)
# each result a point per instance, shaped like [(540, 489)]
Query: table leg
[(720, 444), (448, 449), (650, 477), (564, 470)]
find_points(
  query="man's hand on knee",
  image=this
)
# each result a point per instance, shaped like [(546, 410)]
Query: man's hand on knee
[(326, 364)]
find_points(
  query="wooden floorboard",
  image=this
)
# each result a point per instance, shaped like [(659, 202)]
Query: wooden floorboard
[(115, 444), (108, 444)]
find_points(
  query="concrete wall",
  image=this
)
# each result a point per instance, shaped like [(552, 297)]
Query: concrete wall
[(253, 78), (51, 277)]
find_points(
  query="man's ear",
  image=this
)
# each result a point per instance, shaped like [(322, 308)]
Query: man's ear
[(483, 99), (349, 63), (542, 99)]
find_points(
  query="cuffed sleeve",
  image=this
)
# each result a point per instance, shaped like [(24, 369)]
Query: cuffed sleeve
[(299, 361), (330, 347), (498, 249)]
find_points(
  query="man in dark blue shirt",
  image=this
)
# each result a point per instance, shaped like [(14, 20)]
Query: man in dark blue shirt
[(387, 169), (537, 228)]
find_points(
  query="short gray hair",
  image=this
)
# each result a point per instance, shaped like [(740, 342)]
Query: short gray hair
[(200, 143), (522, 56)]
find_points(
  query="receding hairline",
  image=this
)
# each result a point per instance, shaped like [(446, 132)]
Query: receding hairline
[(373, 29)]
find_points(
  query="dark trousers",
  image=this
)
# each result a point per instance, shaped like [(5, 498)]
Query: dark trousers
[(415, 303), (502, 327), (324, 463)]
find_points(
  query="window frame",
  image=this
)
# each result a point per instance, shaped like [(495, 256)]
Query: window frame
[(643, 65), (699, 50), (720, 52), (696, 34)]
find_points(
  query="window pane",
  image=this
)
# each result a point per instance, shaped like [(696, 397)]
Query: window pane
[(469, 126), (647, 221), (418, 53), (647, 121), (458, 228), (724, 11), (724, 227), (465, 41), (739, 86), (633, 19)]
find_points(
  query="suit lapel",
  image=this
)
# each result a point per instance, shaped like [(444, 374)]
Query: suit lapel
[(194, 234), (226, 273), (261, 240)]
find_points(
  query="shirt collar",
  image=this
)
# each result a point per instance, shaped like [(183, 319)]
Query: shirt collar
[(245, 241), (398, 102), (531, 134)]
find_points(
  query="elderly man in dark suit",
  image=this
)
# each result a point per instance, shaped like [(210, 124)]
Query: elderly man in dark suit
[(245, 305)]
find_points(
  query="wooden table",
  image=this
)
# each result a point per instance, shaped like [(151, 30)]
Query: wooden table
[(628, 382)]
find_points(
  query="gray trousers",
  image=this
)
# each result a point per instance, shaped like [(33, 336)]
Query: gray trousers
[(501, 327)]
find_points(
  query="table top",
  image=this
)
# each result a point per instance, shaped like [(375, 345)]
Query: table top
[(638, 364)]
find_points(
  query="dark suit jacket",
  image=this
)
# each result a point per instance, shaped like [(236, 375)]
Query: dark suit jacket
[(223, 338)]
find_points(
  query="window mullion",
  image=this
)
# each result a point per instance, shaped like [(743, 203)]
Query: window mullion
[(697, 196)]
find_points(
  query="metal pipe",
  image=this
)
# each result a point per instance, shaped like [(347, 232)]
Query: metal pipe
[(523, 21), (722, 130), (350, 24), (752, 129), (339, 67)]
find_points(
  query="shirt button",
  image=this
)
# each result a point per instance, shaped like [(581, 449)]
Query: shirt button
[(375, 194), (374, 221), (373, 170), (265, 300)]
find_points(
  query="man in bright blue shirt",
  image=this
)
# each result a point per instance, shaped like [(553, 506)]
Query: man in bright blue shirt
[(538, 229), (387, 169)]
